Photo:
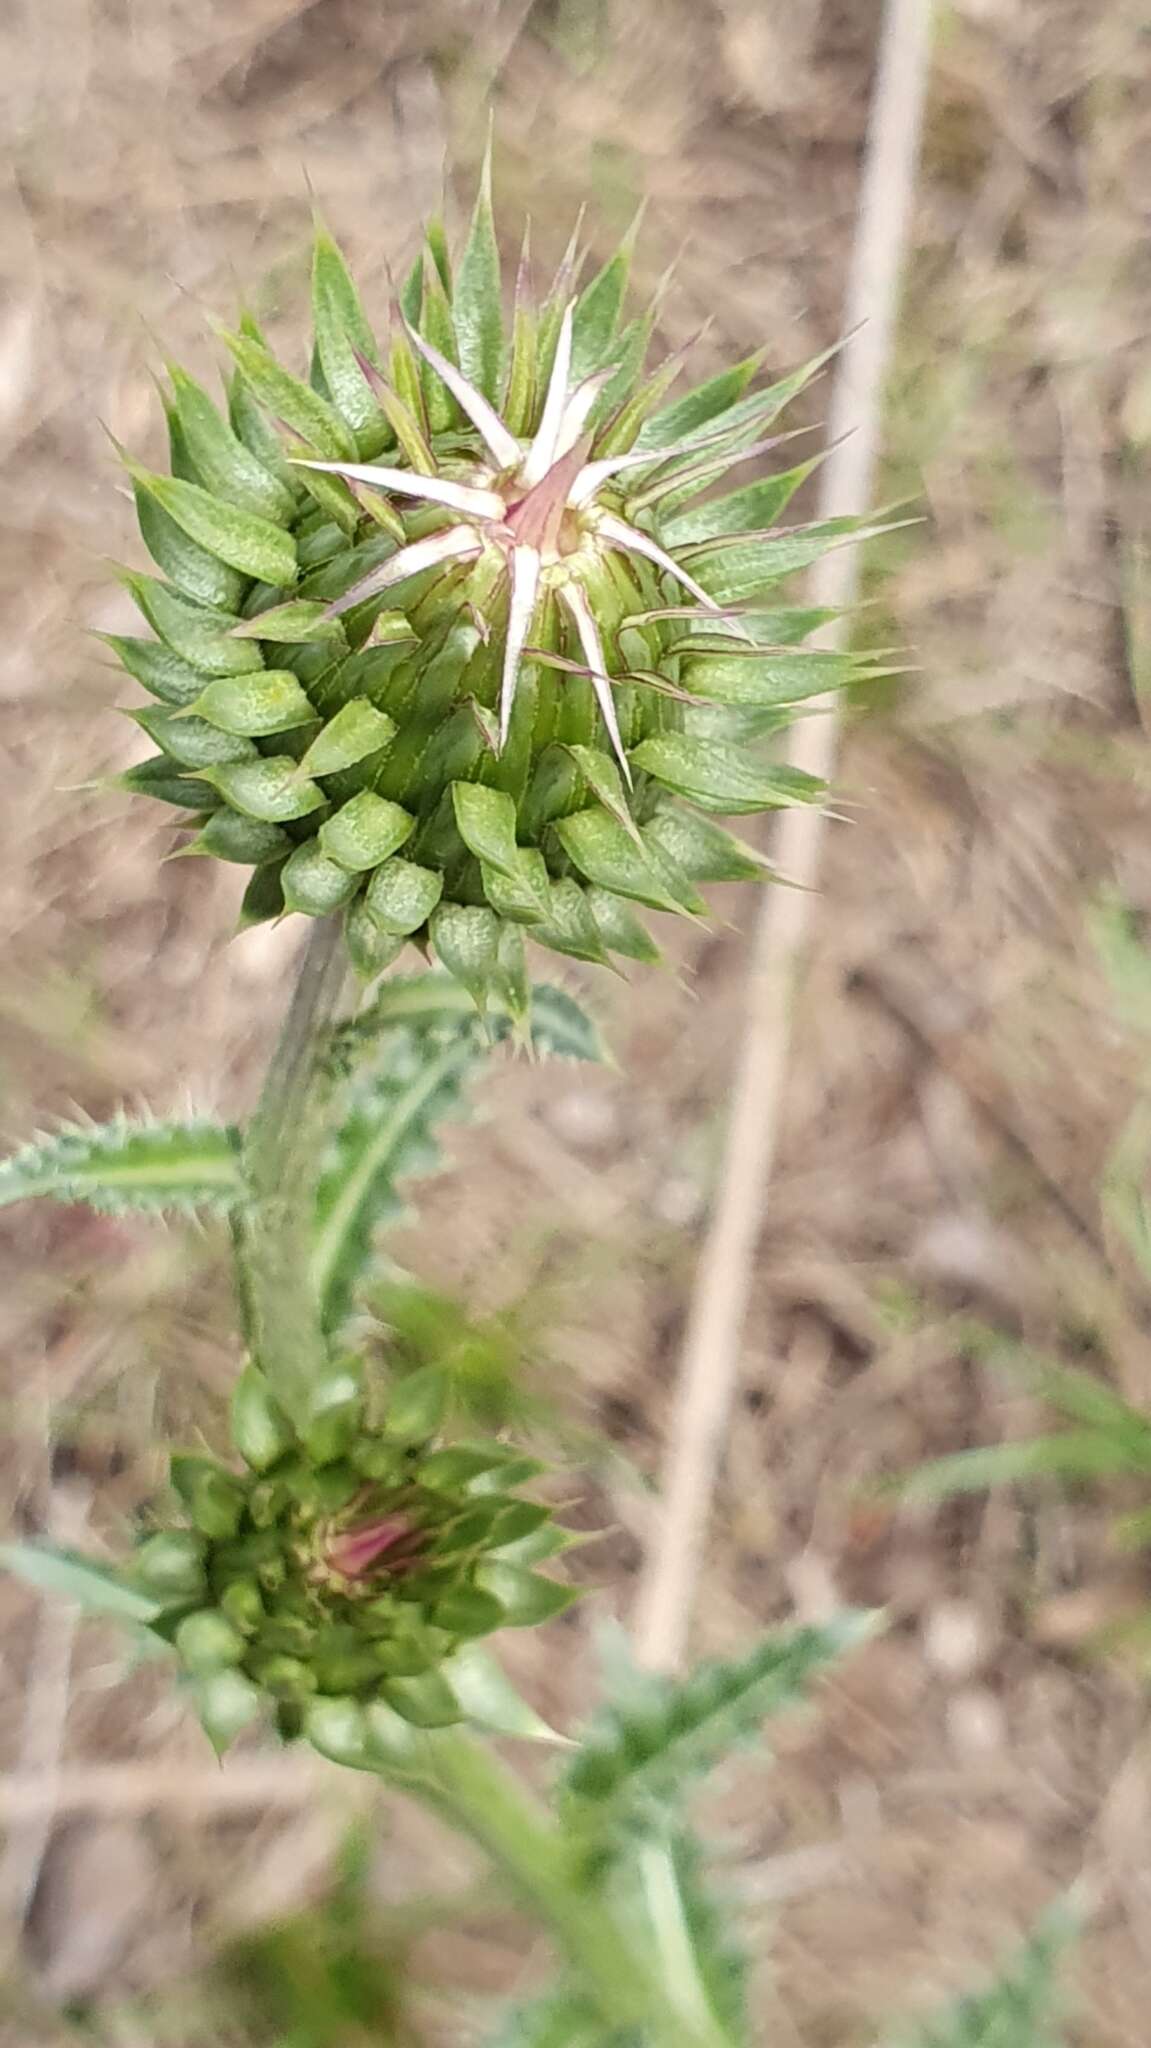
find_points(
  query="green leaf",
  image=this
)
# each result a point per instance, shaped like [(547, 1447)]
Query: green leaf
[(521, 889), (313, 883), (467, 942), (200, 636), (98, 1589), (477, 309), (341, 327), (718, 403), (722, 778), (756, 505), (753, 678), (598, 309), (745, 564), (228, 836), (365, 831), (527, 1598), (698, 408), (155, 666), (301, 619), (1021, 2008), (402, 896), (705, 852), (620, 929), (189, 740), (387, 1134), (246, 541), (487, 825), (271, 789), (261, 1431), (254, 706), (608, 856), (226, 1703), (426, 1702), (302, 410), (198, 573), (156, 777), (646, 1747), (120, 1166), (490, 1700), (222, 463), (570, 927), (356, 731), (438, 327)]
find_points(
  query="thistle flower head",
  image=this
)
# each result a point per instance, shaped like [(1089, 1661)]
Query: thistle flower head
[(457, 637), (344, 1568)]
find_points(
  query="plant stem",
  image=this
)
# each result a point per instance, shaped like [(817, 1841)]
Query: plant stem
[(274, 1240), (613, 1963)]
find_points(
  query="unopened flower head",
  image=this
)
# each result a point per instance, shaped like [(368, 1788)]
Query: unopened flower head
[(347, 1565), (457, 637)]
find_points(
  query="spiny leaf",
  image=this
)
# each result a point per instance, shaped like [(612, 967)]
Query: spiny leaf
[(245, 541), (721, 777), (120, 1166), (342, 333), (598, 309), (490, 1700), (200, 636), (193, 570), (155, 666), (741, 565), (388, 1133), (1020, 2009), (302, 409), (643, 1749), (756, 505), (560, 1028), (476, 298), (222, 463), (698, 408)]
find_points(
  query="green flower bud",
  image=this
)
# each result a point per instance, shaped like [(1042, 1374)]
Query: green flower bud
[(524, 648), (346, 1562)]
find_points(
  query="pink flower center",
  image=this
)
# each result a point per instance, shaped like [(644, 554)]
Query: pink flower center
[(353, 1552)]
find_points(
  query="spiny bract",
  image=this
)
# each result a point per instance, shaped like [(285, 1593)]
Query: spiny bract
[(452, 638), (342, 1569)]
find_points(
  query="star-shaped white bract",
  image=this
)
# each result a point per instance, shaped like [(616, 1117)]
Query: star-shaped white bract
[(537, 506)]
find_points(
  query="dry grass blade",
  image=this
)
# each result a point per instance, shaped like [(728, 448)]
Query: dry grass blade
[(711, 1352)]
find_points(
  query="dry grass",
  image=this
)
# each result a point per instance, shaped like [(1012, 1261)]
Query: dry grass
[(959, 1075)]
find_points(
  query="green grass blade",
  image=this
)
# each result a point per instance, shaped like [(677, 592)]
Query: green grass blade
[(122, 1166)]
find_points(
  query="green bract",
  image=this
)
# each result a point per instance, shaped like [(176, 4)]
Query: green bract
[(442, 633), (347, 1563)]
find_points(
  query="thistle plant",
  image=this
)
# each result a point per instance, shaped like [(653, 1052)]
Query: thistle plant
[(460, 641)]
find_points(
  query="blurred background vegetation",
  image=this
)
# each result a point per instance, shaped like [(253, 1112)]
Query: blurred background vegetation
[(973, 1041)]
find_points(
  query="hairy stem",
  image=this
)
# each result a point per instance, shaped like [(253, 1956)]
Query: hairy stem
[(274, 1238), (620, 1974)]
